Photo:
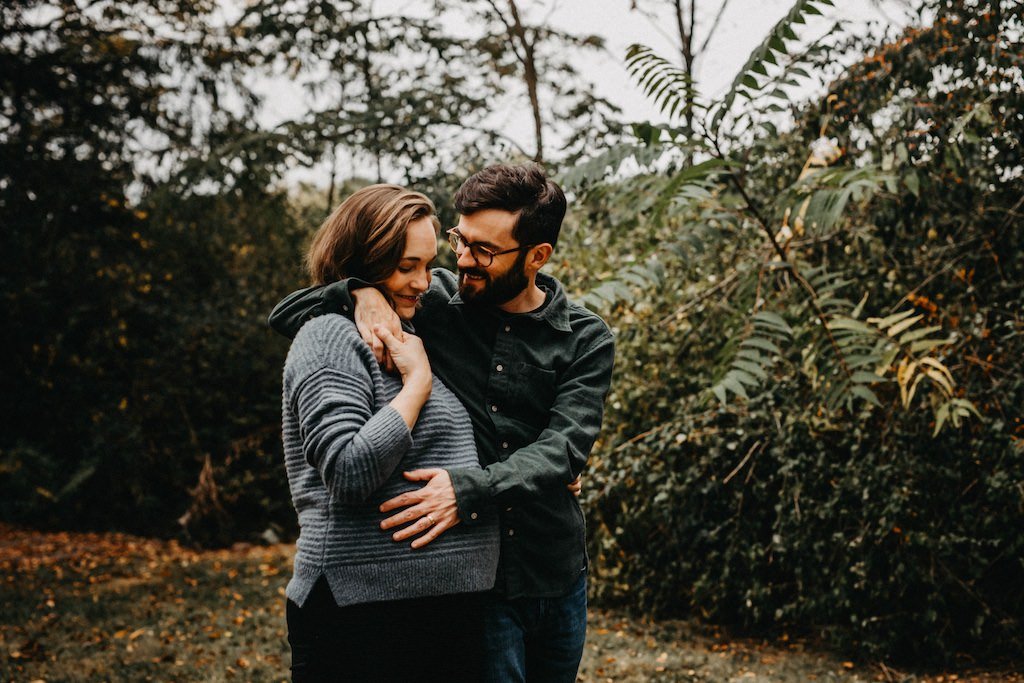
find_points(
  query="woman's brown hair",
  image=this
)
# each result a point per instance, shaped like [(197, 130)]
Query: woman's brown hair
[(365, 236)]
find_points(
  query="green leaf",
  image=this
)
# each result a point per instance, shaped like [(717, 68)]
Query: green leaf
[(860, 306), (903, 325), (733, 385), (773, 320), (863, 392), (750, 355), (885, 322), (941, 415), (763, 344), (929, 344), (843, 323), (744, 377), (919, 333), (864, 360), (913, 183), (861, 377), (753, 368)]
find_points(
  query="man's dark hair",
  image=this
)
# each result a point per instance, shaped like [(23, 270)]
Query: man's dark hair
[(522, 188)]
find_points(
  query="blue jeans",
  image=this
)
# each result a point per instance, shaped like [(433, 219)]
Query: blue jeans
[(539, 640)]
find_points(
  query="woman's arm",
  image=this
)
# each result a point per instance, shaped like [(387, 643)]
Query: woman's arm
[(353, 448), (410, 360)]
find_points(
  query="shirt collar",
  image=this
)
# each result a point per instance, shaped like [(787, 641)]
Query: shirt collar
[(554, 313)]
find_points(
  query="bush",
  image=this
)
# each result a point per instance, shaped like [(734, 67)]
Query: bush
[(792, 497)]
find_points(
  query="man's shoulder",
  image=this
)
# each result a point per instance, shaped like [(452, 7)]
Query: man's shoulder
[(584, 323), (587, 324)]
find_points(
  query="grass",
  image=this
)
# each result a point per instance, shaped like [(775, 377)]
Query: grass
[(111, 607)]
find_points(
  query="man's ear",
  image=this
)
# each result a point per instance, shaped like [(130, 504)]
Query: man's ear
[(538, 256)]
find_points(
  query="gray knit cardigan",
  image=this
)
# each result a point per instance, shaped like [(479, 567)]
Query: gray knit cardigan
[(345, 451)]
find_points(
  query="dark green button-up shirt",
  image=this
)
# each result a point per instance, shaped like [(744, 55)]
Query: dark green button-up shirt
[(534, 385)]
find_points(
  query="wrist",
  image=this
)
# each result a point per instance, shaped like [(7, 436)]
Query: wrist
[(420, 381)]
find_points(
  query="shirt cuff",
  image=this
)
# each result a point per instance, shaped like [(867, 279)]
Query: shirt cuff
[(472, 496)]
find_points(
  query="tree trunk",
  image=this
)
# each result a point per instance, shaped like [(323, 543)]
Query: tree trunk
[(526, 57)]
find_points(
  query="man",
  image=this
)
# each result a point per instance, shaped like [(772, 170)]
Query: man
[(533, 371)]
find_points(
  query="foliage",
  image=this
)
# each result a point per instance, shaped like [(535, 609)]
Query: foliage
[(148, 233), (813, 421), (136, 349)]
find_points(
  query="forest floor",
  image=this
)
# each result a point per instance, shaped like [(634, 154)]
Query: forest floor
[(111, 607)]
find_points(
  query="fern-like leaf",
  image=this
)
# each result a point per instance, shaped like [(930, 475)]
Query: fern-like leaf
[(755, 354), (746, 81), (668, 86)]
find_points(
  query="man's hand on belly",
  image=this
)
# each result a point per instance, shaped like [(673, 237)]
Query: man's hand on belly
[(430, 511)]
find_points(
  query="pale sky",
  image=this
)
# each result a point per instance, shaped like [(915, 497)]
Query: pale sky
[(744, 25)]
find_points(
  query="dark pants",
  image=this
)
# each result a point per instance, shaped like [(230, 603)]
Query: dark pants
[(423, 639), (539, 640)]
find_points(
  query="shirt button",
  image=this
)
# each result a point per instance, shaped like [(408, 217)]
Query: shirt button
[(500, 367), (494, 409), (504, 444), (345, 308), (508, 328), (508, 509), (511, 532), (473, 515)]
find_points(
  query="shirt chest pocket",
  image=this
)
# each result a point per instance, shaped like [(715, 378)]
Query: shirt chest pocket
[(532, 391)]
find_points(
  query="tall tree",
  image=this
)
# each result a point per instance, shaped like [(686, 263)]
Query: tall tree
[(529, 58), (133, 206), (391, 90), (690, 45)]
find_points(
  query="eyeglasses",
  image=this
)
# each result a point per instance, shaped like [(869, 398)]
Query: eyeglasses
[(481, 254)]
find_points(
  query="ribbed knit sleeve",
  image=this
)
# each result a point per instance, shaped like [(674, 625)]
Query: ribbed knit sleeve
[(345, 450), (353, 444)]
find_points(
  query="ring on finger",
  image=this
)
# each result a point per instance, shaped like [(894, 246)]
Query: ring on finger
[(430, 520)]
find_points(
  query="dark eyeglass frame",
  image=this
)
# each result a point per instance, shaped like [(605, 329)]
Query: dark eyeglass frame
[(477, 250)]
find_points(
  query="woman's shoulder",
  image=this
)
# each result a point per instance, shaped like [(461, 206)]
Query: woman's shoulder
[(329, 340), (327, 326)]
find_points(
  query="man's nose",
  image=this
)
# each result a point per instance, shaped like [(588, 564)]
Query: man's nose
[(465, 259)]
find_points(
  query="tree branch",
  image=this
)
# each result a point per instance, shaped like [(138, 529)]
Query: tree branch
[(714, 26), (797, 275)]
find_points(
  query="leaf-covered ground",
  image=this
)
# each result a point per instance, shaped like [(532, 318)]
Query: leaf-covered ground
[(111, 607)]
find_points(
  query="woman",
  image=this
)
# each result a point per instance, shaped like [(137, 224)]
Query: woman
[(361, 606)]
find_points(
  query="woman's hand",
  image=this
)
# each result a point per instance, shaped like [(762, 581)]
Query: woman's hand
[(411, 360), (407, 354)]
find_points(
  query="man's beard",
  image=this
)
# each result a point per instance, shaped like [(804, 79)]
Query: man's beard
[(496, 291)]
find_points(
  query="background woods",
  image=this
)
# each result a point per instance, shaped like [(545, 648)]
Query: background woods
[(814, 278)]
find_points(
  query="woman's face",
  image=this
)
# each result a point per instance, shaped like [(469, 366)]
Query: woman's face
[(412, 277)]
